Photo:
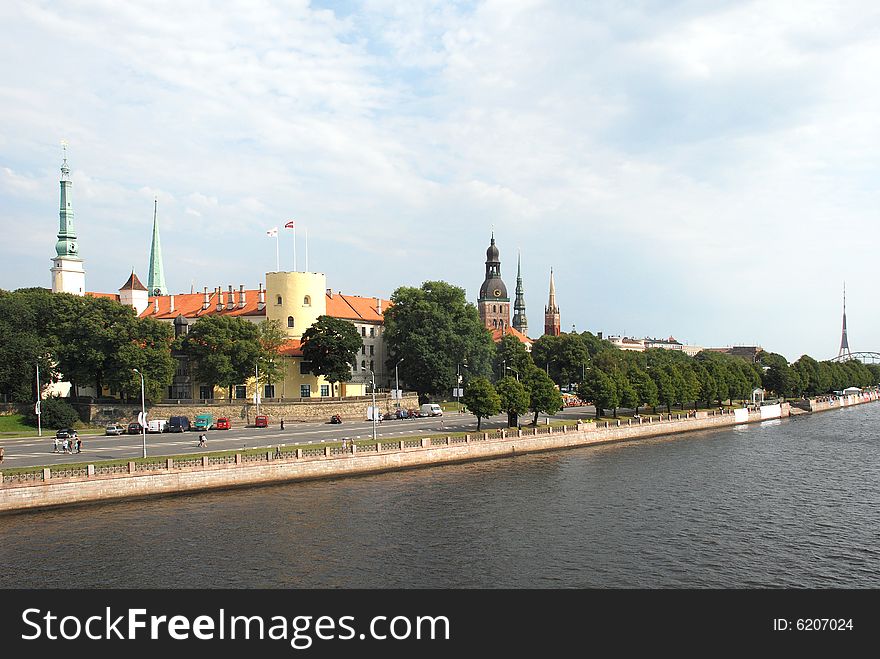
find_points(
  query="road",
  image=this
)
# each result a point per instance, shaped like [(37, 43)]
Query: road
[(32, 451)]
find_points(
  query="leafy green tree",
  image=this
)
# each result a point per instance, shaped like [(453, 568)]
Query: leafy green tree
[(330, 346), (543, 393), (481, 398), (645, 389), (514, 399), (148, 349), (601, 389), (564, 358), (626, 392), (666, 391), (779, 376), (272, 338), (510, 353), (225, 350), (434, 329), (25, 328), (55, 412)]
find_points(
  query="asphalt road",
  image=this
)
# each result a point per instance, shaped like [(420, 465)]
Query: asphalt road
[(32, 451)]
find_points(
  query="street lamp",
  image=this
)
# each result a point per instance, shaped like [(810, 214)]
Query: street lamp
[(143, 412), (397, 381), (511, 368), (373, 391), (37, 407), (458, 384)]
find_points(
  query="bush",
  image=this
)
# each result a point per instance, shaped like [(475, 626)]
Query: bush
[(56, 413)]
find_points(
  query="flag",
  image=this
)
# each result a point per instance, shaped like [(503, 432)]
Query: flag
[(272, 232), (289, 225)]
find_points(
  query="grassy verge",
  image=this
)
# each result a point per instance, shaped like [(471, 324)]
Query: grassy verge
[(12, 425)]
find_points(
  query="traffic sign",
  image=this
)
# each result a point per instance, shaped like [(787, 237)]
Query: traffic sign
[(142, 419), (37, 408)]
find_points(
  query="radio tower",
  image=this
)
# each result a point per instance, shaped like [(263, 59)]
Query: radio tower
[(844, 344)]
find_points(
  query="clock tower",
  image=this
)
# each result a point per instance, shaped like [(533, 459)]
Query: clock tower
[(493, 303), (68, 275)]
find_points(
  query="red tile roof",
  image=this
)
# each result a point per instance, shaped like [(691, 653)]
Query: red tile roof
[(112, 296), (497, 335), (291, 348), (133, 283)]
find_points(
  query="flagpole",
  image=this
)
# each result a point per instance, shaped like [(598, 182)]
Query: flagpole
[(277, 253), (294, 247), (306, 229)]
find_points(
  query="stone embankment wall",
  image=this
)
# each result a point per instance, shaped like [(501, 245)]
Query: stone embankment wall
[(243, 413), (95, 482)]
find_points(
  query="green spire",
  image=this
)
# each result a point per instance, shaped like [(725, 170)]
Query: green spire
[(156, 282), (66, 245), (519, 306)]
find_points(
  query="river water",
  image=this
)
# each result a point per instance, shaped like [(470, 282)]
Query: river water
[(793, 503)]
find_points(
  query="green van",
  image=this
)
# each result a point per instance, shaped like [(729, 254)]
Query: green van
[(204, 422)]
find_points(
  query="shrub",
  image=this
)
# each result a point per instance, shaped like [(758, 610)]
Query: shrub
[(56, 413)]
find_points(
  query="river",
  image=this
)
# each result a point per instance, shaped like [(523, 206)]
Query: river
[(790, 503)]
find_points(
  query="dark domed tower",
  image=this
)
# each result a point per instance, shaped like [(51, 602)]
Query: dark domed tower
[(493, 303)]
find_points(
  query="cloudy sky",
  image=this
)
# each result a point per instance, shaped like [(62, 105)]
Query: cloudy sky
[(706, 170)]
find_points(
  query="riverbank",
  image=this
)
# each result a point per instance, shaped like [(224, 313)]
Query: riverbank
[(64, 486)]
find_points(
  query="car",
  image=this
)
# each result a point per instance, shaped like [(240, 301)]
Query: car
[(401, 414), (204, 422), (178, 424), (157, 425), (222, 424), (66, 433), (412, 413), (335, 419), (114, 429), (261, 421), (431, 409), (134, 428)]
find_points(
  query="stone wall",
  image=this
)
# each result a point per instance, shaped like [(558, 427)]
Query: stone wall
[(243, 413)]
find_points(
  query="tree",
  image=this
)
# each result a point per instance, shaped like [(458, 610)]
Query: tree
[(25, 325), (645, 389), (330, 346), (544, 396), (272, 338), (434, 329), (55, 412), (510, 353), (601, 389), (565, 357), (481, 398), (514, 399), (779, 376), (148, 349), (225, 350)]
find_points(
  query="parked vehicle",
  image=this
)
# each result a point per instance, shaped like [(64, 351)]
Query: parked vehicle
[(114, 429), (204, 422), (157, 425), (412, 413), (431, 409), (66, 433), (134, 428), (261, 421), (178, 424), (221, 424), (335, 419), (401, 414)]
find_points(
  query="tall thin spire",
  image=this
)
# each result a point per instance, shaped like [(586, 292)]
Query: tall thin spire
[(552, 321), (68, 275), (520, 323), (844, 343), (156, 281)]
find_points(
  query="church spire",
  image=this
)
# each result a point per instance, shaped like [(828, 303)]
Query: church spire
[(844, 342), (156, 281), (552, 322), (520, 323), (66, 246)]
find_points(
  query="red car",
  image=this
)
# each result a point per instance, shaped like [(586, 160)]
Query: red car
[(262, 421), (222, 424)]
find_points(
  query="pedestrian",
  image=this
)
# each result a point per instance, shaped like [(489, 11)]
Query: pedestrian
[(79, 445), (2, 452), (343, 444), (64, 446), (282, 424), (57, 445)]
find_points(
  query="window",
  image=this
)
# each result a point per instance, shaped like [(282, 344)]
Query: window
[(206, 393), (494, 308), (240, 391), (371, 365), (278, 300), (372, 332), (269, 391), (363, 365), (290, 321), (305, 368), (371, 350), (363, 331), (307, 301), (363, 350), (305, 391), (325, 390)]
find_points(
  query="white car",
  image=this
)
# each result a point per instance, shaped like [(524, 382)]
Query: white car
[(157, 425), (114, 429)]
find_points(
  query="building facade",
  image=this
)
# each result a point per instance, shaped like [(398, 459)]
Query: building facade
[(552, 319), (494, 303)]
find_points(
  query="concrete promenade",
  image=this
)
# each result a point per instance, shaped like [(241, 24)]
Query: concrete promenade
[(64, 486)]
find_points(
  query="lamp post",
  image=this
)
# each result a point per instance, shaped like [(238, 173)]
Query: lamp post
[(143, 412), (373, 391), (257, 386), (511, 368), (397, 381), (39, 402), (458, 384)]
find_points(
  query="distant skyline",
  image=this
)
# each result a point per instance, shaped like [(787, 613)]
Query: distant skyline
[(706, 171)]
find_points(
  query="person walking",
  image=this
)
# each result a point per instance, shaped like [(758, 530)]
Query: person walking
[(282, 424), (79, 445), (203, 442), (57, 445), (2, 454)]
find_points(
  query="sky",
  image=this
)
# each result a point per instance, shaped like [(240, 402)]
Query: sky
[(703, 170)]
